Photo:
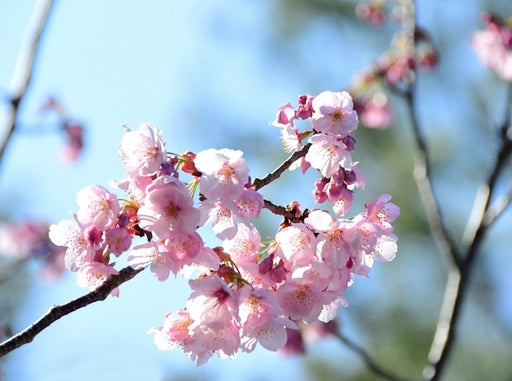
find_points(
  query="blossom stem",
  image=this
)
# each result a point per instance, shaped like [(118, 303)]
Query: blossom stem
[(270, 177)]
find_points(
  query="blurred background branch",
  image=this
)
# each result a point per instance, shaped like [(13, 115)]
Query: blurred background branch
[(24, 67)]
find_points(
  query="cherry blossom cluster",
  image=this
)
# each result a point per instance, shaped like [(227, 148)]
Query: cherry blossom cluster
[(244, 291), (395, 68), (494, 46)]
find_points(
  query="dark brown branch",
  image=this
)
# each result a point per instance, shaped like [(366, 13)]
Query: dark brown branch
[(282, 211), (370, 362), (270, 177), (56, 312), (24, 66)]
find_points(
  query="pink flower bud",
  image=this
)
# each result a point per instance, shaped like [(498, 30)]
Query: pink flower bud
[(266, 265), (349, 143)]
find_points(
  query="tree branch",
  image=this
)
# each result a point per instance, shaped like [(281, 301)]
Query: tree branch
[(24, 67), (56, 312), (459, 278), (422, 176), (282, 211), (370, 362), (270, 177), (497, 208)]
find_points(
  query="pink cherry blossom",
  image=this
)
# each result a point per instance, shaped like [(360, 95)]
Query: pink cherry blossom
[(98, 207), (334, 114), (382, 212), (245, 245), (175, 331), (118, 240), (343, 201), (300, 299), (168, 209), (316, 272), (79, 250), (285, 115), (294, 343), (137, 187), (184, 247), (342, 278), (272, 335), (333, 245), (143, 151), (257, 307), (94, 274), (385, 247), (330, 309), (296, 243), (224, 173), (249, 204), (224, 224), (206, 260), (155, 255), (327, 154), (223, 342), (212, 303), (290, 138)]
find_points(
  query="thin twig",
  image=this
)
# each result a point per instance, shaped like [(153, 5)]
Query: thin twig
[(24, 67), (370, 362), (56, 312), (270, 177)]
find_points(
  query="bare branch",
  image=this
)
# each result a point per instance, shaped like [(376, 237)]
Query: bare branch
[(497, 208), (24, 66), (459, 278), (56, 312), (370, 362), (270, 177), (444, 243)]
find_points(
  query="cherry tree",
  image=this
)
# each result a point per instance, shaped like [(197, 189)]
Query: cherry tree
[(246, 291)]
